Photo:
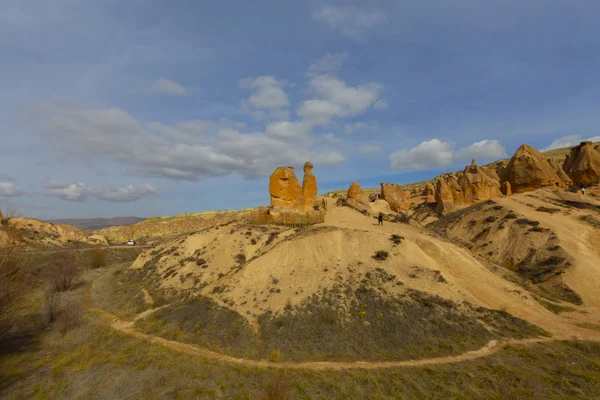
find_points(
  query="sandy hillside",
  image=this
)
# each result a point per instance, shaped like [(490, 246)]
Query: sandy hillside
[(164, 227), (28, 232), (253, 269)]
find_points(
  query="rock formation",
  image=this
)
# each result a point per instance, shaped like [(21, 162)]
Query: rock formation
[(309, 187), (492, 173), (583, 164), (476, 185), (444, 198), (529, 170), (429, 193), (395, 196), (557, 167), (284, 188), (287, 196), (355, 191), (506, 189)]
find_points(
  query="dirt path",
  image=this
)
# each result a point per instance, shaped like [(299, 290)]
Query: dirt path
[(147, 298), (81, 249), (128, 327)]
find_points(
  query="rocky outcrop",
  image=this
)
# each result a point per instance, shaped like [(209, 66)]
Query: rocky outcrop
[(354, 191), (583, 164), (284, 188), (506, 189), (529, 170), (557, 167), (492, 173), (309, 187), (476, 185), (395, 196), (444, 198), (287, 196), (429, 193)]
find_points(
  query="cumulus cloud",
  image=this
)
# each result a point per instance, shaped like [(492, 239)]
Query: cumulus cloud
[(369, 149), (430, 154), (268, 101), (570, 141), (435, 153), (331, 138), (160, 151), (483, 150), (336, 99), (80, 191), (289, 129), (329, 64), (351, 21), (9, 189), (268, 92), (167, 86)]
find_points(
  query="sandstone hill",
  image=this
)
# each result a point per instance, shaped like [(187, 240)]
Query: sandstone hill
[(158, 228), (32, 233)]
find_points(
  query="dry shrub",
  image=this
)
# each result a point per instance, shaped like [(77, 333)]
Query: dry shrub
[(12, 277), (97, 259), (68, 318), (50, 306), (63, 270), (278, 388)]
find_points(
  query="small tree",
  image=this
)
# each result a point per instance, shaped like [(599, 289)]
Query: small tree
[(97, 259), (63, 270)]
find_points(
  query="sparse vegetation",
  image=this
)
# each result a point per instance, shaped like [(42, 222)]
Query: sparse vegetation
[(97, 259), (590, 220), (490, 219), (63, 270), (12, 277), (548, 210), (396, 239), (381, 255), (555, 308)]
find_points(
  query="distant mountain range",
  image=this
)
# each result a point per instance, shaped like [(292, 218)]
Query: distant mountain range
[(97, 223)]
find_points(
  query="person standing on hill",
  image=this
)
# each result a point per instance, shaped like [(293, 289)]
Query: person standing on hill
[(380, 218), (582, 189)]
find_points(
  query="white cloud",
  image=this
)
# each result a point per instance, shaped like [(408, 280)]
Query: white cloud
[(80, 192), (351, 21), (178, 152), (569, 141), (336, 99), (329, 64), (380, 105), (9, 189), (268, 92), (288, 130), (331, 138), (483, 150), (431, 154), (167, 86), (357, 126), (369, 149)]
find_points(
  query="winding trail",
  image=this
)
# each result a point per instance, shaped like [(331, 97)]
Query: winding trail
[(128, 328)]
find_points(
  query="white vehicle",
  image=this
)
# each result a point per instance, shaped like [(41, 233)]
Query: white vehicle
[(131, 243)]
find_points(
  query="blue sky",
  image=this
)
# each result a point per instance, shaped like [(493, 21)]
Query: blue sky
[(114, 108)]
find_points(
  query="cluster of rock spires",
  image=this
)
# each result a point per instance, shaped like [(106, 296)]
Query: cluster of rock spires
[(527, 170)]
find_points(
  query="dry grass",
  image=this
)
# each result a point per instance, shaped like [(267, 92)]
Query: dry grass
[(97, 258), (63, 270), (12, 278), (94, 361)]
